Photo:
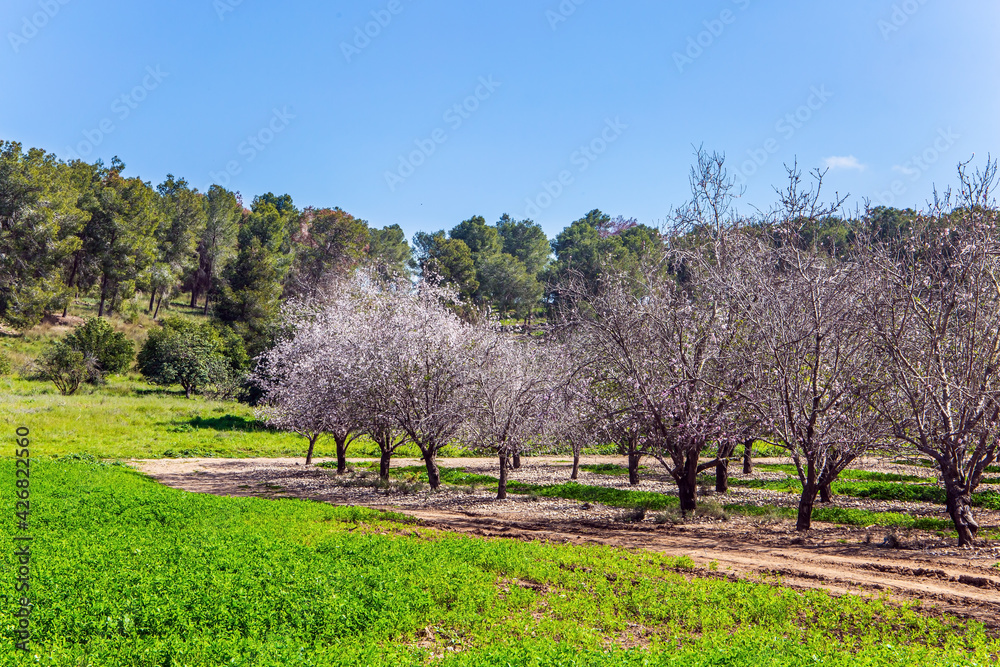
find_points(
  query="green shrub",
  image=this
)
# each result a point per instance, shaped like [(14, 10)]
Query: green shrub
[(112, 352), (192, 355), (5, 364), (64, 366)]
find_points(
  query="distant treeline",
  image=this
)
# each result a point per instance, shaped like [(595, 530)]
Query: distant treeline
[(75, 229)]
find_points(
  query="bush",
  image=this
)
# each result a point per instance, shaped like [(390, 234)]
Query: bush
[(633, 515), (112, 353), (130, 310), (194, 356), (66, 367), (5, 366)]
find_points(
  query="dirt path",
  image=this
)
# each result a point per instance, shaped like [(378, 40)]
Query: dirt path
[(836, 558), (952, 584)]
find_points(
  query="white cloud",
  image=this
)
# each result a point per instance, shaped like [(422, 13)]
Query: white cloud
[(844, 162)]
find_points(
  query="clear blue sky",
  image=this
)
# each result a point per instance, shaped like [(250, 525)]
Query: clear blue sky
[(332, 113)]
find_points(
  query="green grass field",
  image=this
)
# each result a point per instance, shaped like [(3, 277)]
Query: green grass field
[(127, 572), (130, 419)]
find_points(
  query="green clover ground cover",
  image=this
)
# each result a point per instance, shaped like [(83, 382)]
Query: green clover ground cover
[(876, 486), (128, 572)]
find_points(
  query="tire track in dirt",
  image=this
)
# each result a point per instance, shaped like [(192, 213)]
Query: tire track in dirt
[(952, 585)]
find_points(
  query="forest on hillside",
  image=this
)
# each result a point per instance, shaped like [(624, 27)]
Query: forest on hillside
[(76, 229)]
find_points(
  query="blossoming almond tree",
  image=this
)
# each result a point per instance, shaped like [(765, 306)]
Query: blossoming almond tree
[(663, 350), (377, 395), (424, 353), (511, 392), (816, 370), (813, 367), (309, 377), (933, 299)]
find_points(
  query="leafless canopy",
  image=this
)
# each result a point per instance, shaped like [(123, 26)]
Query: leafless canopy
[(933, 300)]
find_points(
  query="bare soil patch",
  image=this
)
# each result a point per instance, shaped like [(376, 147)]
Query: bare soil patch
[(906, 565)]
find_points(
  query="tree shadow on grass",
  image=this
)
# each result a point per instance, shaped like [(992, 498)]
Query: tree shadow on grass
[(157, 391), (229, 423)]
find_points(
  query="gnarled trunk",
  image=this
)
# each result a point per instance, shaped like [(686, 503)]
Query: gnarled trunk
[(806, 502), (433, 474), (502, 486), (383, 465), (825, 494), (517, 460), (748, 456), (687, 484), (576, 466), (722, 476), (633, 467), (341, 441), (312, 444), (959, 503)]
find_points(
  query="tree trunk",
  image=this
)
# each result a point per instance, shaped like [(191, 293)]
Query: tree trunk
[(688, 494), (806, 502), (748, 456), (433, 474), (517, 461), (825, 494), (502, 486), (633, 468), (341, 453), (960, 508), (104, 294), (72, 273), (159, 302), (209, 270), (312, 445), (576, 466), (194, 293), (152, 298), (383, 466), (72, 278), (687, 484), (187, 391), (722, 476)]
